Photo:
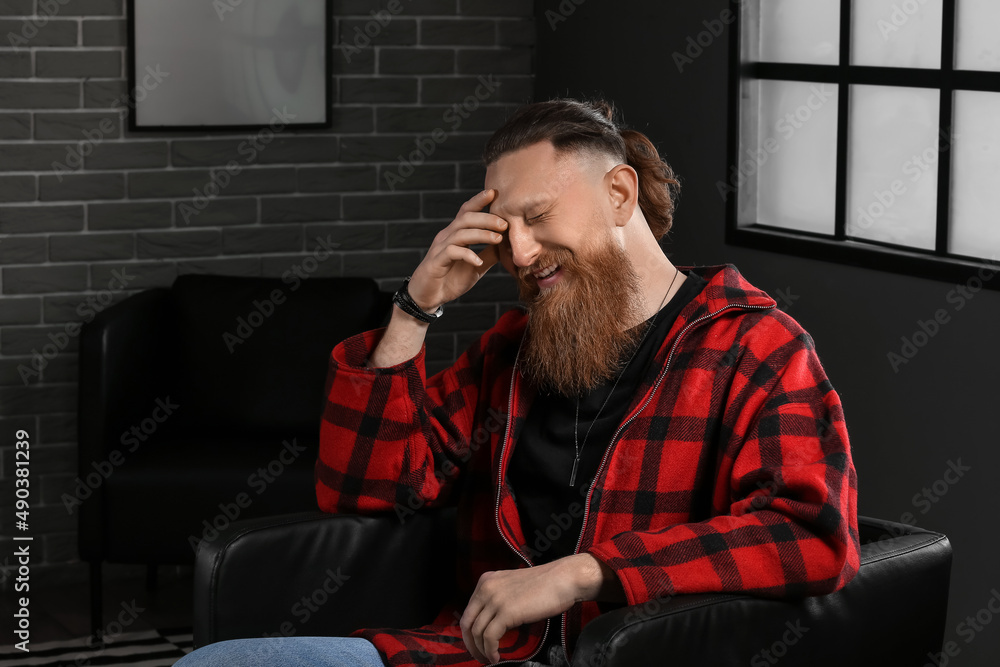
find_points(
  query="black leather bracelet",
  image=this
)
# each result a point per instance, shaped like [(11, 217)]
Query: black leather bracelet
[(406, 303)]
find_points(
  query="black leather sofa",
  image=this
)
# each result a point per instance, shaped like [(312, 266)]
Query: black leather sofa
[(200, 404), (321, 574)]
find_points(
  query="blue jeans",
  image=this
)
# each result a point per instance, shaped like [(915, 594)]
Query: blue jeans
[(297, 652), (286, 652)]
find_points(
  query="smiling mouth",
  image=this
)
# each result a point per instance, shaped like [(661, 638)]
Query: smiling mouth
[(545, 272), (547, 276)]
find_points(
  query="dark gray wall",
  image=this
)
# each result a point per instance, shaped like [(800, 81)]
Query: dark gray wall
[(905, 427), (122, 207)]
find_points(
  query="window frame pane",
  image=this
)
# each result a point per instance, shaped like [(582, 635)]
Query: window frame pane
[(935, 264), (964, 58), (771, 145), (890, 168), (966, 144)]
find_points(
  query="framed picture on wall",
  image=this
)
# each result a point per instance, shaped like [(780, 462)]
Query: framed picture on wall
[(229, 64)]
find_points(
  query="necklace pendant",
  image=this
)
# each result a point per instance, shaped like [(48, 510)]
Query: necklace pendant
[(572, 475)]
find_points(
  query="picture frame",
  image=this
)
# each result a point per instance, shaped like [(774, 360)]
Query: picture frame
[(229, 64)]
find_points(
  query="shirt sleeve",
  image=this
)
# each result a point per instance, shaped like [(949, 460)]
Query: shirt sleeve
[(392, 438), (785, 517)]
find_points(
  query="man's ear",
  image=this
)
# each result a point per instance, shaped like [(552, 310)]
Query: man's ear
[(623, 189)]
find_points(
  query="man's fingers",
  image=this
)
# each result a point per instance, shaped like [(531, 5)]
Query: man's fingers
[(478, 201), (460, 254), (490, 256), (491, 636), (483, 620), (473, 648), (456, 247), (473, 236), (476, 220), (472, 611)]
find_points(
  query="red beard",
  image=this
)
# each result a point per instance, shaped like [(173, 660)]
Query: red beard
[(576, 339)]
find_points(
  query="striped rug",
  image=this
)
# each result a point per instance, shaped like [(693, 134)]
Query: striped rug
[(149, 648)]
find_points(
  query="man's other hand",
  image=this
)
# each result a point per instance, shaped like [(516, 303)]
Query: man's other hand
[(508, 598)]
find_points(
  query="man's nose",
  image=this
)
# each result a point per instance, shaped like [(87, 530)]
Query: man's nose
[(523, 247)]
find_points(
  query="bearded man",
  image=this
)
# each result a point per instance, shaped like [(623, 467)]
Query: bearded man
[(637, 431)]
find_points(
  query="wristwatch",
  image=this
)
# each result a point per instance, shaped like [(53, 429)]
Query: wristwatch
[(406, 303)]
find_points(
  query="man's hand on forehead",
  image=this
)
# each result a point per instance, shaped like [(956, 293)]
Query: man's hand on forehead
[(451, 266)]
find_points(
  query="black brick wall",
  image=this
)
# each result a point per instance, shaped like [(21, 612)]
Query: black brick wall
[(81, 197)]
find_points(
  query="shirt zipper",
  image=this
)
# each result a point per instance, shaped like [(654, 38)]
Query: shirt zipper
[(624, 425), (503, 449)]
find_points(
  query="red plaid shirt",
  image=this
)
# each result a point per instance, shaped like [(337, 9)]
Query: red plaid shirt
[(731, 472)]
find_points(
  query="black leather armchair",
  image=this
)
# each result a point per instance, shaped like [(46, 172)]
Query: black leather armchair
[(326, 575), (200, 404)]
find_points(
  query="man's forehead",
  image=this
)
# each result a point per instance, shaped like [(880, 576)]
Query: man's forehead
[(535, 176), (522, 193)]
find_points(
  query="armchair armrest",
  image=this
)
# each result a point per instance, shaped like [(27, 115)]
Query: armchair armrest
[(891, 613), (122, 354), (323, 574)]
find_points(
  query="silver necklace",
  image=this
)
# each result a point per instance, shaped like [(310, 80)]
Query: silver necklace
[(576, 423)]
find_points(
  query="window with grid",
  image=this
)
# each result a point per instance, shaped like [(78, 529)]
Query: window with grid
[(868, 132)]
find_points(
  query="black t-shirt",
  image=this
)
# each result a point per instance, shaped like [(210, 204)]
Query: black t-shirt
[(551, 510)]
